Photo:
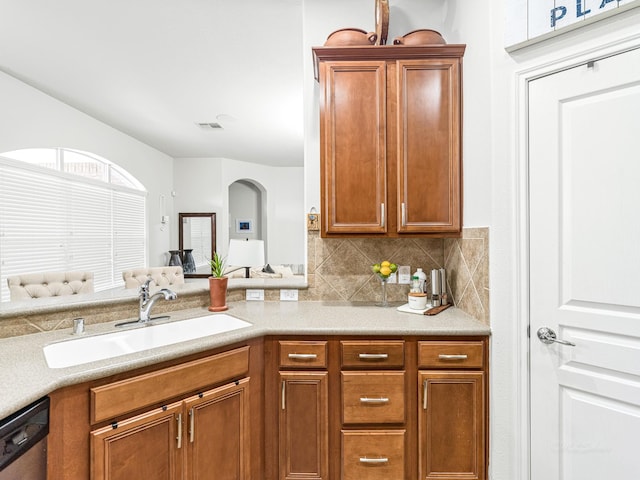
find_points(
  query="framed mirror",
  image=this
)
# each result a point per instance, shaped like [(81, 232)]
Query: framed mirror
[(197, 242)]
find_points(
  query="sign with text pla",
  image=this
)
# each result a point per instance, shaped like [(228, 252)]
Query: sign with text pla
[(530, 21)]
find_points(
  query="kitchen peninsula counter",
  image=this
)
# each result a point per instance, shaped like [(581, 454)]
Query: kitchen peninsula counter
[(25, 376)]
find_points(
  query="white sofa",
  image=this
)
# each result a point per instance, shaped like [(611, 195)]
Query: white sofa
[(49, 284), (160, 276)]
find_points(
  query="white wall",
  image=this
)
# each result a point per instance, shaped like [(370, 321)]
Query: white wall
[(30, 118), (201, 185), (245, 202)]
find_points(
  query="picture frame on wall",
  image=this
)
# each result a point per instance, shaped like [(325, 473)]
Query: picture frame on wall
[(244, 225)]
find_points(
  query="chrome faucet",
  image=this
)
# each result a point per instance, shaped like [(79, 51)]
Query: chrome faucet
[(147, 301)]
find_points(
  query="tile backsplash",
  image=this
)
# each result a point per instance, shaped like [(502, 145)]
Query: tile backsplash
[(340, 269)]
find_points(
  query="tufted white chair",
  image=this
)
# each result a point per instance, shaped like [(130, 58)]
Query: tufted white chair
[(161, 276), (49, 284)]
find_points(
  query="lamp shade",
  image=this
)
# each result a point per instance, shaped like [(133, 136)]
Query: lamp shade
[(246, 253)]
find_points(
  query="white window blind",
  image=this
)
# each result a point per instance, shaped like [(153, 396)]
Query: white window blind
[(54, 221)]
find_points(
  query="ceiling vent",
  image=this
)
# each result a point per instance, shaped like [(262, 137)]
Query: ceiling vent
[(210, 126)]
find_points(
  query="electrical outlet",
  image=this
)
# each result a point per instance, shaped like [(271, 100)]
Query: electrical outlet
[(255, 295), (404, 275), (289, 295)]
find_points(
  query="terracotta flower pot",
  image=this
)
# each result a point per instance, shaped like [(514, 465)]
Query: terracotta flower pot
[(218, 294)]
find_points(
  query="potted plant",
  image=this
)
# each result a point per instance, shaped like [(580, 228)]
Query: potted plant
[(217, 285)]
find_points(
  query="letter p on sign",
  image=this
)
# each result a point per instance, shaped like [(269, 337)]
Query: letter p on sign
[(556, 14)]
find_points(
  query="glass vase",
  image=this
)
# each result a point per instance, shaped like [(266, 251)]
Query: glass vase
[(175, 259), (383, 301)]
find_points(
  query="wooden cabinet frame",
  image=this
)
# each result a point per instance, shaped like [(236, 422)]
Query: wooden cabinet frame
[(390, 140), (447, 363)]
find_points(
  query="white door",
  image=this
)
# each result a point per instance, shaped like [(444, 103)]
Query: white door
[(584, 189)]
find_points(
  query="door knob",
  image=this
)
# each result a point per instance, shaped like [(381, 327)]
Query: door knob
[(548, 336)]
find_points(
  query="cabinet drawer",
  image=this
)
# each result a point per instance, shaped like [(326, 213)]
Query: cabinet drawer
[(303, 354), (372, 354), (118, 398), (373, 397), (451, 354), (374, 455)]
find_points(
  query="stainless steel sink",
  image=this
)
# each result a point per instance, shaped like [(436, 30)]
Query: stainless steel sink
[(100, 347)]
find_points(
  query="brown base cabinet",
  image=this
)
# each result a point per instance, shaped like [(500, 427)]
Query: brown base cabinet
[(202, 436), (369, 409), (218, 436), (284, 408), (451, 425), (373, 455), (181, 420), (140, 447), (303, 410), (304, 445)]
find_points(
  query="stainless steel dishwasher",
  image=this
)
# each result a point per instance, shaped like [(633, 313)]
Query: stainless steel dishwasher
[(23, 443)]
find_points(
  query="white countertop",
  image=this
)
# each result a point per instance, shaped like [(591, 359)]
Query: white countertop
[(25, 376)]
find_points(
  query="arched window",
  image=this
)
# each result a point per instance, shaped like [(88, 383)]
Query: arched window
[(68, 210)]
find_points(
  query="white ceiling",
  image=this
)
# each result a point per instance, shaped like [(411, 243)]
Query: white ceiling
[(155, 68)]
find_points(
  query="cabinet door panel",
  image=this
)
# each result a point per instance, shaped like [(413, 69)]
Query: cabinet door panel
[(145, 446), (451, 423), (304, 441), (218, 433), (353, 119), (428, 160)]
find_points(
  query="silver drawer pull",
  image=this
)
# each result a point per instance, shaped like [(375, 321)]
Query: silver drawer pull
[(303, 356), (374, 460), (192, 425), (179, 435), (374, 400), (373, 356), (443, 356)]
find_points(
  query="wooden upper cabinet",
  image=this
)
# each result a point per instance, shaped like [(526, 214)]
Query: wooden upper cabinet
[(428, 153), (353, 147), (390, 135)]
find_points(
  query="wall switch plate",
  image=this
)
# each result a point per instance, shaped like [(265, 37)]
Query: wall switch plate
[(289, 295), (255, 295), (393, 278), (404, 275), (313, 222)]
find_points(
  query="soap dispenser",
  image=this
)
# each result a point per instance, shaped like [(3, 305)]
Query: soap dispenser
[(422, 278)]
